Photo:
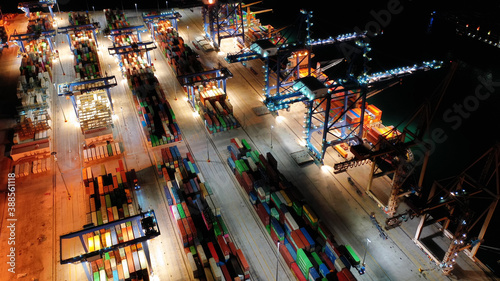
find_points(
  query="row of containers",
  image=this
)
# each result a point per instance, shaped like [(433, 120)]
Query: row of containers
[(180, 56), (207, 98), (209, 248), (214, 107), (306, 244), (110, 198), (31, 149), (155, 113), (93, 108)]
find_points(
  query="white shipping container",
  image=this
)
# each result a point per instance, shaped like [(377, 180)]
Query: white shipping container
[(113, 147), (89, 174), (217, 273), (291, 221), (92, 150), (105, 149), (201, 255), (192, 263), (17, 170), (117, 146)]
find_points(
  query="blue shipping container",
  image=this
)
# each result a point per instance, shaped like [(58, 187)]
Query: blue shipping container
[(313, 274), (323, 269), (308, 238)]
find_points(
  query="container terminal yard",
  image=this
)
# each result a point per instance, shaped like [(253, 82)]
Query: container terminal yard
[(199, 144)]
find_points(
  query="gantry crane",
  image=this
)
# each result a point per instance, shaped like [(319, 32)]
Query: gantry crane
[(223, 19), (153, 19), (289, 79), (461, 203), (26, 6)]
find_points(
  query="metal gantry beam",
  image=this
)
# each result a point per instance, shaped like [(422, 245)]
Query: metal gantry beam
[(20, 38), (455, 198), (218, 75), (26, 6), (152, 20), (147, 228), (76, 88), (134, 48), (75, 28), (223, 19)]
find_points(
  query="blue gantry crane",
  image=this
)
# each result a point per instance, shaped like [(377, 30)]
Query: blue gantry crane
[(26, 6), (144, 227), (152, 20), (71, 89), (223, 19), (82, 27), (134, 46), (191, 80), (289, 78)]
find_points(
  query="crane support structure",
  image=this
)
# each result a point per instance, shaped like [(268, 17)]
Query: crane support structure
[(75, 28), (152, 20), (465, 203), (20, 38), (26, 6), (223, 19)]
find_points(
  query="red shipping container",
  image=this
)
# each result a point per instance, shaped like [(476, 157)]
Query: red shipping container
[(225, 272), (296, 241), (192, 226), (243, 263), (223, 247), (211, 248), (307, 246), (348, 274), (286, 255), (182, 231), (296, 271), (232, 248)]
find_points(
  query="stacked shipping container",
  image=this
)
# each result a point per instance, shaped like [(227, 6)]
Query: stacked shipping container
[(287, 218), (208, 246)]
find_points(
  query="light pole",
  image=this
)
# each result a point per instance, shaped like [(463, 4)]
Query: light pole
[(93, 8), (136, 13), (366, 249), (277, 260), (272, 127), (166, 3), (208, 151)]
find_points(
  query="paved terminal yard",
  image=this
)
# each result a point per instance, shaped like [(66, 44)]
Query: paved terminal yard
[(45, 210)]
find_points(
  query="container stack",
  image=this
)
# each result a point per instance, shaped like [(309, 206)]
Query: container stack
[(305, 243), (214, 107), (115, 19), (101, 151), (94, 111), (180, 56), (208, 245), (155, 113), (76, 18), (85, 53), (32, 131), (110, 199)]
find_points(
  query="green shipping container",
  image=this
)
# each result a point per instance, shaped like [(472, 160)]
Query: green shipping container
[(316, 258), (303, 262), (275, 214), (181, 211), (245, 144), (223, 225)]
